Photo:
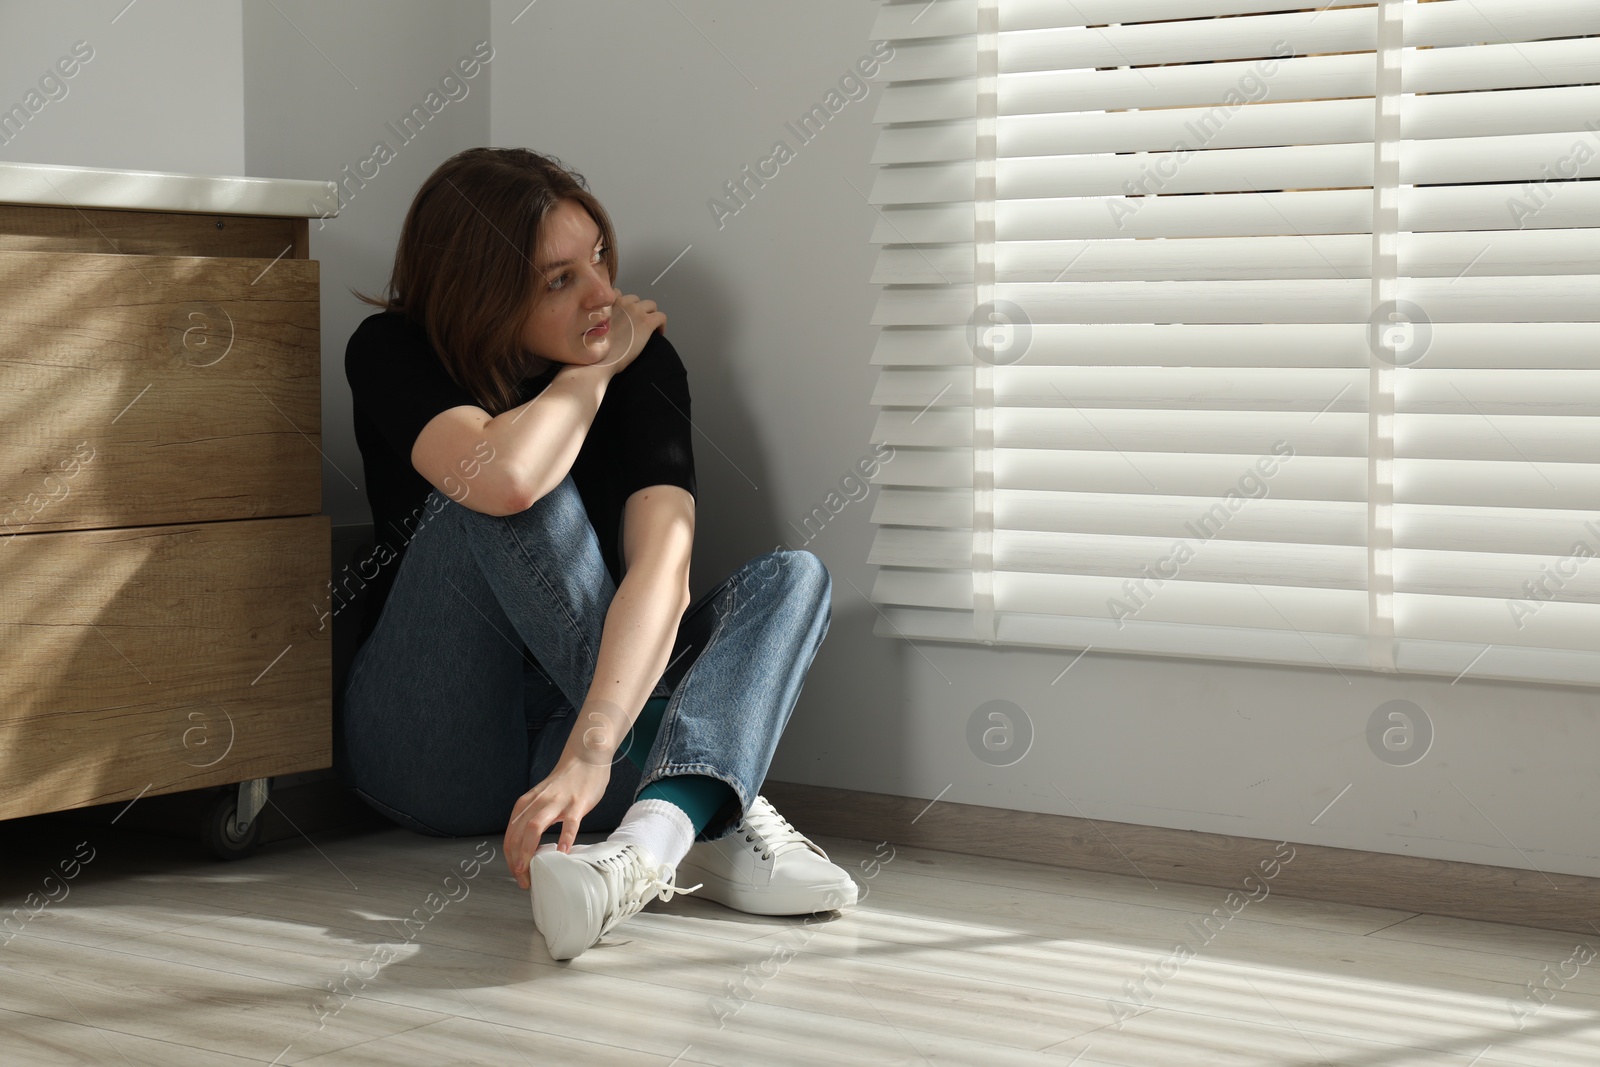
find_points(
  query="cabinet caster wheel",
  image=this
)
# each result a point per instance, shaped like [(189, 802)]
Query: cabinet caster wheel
[(220, 832)]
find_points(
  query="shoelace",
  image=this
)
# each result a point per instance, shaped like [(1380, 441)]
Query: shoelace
[(777, 835), (650, 883)]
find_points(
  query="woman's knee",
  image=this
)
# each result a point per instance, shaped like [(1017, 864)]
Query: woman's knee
[(558, 513), (555, 529), (798, 576)]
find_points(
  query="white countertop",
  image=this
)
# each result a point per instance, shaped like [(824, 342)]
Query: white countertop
[(149, 190)]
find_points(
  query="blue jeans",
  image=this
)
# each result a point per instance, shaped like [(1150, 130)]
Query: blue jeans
[(462, 697)]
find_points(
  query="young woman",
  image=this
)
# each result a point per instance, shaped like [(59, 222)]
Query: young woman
[(525, 432)]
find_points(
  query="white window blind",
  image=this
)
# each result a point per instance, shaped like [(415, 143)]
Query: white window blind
[(1220, 328)]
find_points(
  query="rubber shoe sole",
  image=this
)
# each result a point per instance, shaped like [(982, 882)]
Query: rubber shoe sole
[(569, 900), (788, 900)]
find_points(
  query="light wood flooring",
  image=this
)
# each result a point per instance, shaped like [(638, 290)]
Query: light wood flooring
[(156, 954)]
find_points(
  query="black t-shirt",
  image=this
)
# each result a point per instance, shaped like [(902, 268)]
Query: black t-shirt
[(640, 437)]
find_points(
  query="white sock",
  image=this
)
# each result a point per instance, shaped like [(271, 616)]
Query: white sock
[(661, 827)]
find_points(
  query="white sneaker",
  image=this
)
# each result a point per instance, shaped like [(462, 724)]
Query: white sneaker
[(765, 866), (579, 896)]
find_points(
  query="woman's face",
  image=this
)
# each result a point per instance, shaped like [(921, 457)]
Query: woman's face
[(574, 290)]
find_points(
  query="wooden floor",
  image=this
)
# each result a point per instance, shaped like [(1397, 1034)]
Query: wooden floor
[(155, 954)]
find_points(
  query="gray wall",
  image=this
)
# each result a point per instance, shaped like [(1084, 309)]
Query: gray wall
[(658, 109)]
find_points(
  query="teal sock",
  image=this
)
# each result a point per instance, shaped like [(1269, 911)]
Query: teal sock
[(700, 796), (642, 736)]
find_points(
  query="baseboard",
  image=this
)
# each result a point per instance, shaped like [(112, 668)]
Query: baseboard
[(1317, 872)]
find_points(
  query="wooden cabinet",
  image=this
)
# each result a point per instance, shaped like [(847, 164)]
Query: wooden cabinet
[(164, 565)]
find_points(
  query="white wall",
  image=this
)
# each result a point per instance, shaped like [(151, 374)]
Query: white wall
[(162, 89), (658, 109), (770, 314)]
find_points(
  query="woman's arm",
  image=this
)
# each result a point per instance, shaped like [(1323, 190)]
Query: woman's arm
[(642, 622), (500, 465), (640, 629)]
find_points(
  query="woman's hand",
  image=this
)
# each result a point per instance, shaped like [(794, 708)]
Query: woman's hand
[(632, 322), (573, 789)]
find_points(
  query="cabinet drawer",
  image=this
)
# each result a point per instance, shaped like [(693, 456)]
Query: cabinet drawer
[(164, 658), (191, 383), (38, 228)]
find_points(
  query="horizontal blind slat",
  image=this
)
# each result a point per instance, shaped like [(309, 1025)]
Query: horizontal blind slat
[(1168, 388), (1469, 393), (1491, 438), (1560, 156), (1531, 251), (1188, 41), (1262, 518), (1530, 64), (1252, 605), (1467, 299), (1250, 433), (1436, 208), (1468, 345), (1468, 531)]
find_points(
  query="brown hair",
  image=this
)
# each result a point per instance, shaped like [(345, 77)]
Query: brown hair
[(463, 268)]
